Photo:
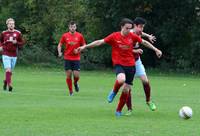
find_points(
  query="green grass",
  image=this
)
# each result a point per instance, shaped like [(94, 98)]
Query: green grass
[(40, 106)]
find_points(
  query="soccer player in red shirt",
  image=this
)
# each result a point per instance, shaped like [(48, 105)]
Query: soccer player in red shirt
[(10, 41), (122, 43), (71, 40)]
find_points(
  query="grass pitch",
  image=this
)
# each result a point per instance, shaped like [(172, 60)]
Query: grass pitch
[(40, 106)]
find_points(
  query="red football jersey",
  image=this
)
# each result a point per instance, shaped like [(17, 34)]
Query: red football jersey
[(9, 48), (122, 48), (71, 42)]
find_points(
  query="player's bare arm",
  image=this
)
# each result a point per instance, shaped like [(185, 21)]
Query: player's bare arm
[(150, 46), (91, 45), (59, 48)]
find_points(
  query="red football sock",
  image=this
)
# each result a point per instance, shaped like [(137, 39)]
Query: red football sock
[(122, 101), (129, 101), (69, 84), (117, 86), (147, 91), (76, 80), (8, 78)]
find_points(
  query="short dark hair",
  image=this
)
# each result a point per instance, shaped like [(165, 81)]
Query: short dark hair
[(72, 23), (139, 21), (126, 21)]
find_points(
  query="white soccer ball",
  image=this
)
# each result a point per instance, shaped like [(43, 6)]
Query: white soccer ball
[(185, 112)]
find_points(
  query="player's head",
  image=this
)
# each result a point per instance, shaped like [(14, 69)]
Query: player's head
[(72, 26), (10, 22), (126, 25), (139, 24)]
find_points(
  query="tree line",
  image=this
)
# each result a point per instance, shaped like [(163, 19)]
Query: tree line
[(175, 23)]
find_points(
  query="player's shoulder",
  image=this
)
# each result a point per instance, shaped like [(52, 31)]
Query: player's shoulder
[(133, 35), (115, 34), (17, 31), (5, 31), (65, 34), (79, 34)]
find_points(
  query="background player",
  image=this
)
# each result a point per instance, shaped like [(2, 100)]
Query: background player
[(10, 41), (71, 40)]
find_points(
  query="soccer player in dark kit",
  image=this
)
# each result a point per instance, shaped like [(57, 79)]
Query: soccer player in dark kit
[(10, 41)]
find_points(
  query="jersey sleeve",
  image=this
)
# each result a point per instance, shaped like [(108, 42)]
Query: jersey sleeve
[(82, 40), (20, 40), (1, 39), (109, 39)]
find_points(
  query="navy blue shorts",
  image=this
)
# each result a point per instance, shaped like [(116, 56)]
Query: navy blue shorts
[(72, 65), (129, 72)]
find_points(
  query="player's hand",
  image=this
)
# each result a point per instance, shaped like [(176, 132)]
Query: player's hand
[(1, 48), (140, 51), (7, 41), (59, 54), (14, 41), (159, 53), (152, 38), (75, 51), (79, 49)]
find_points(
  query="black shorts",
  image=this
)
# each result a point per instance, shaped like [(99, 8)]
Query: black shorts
[(129, 72), (72, 65)]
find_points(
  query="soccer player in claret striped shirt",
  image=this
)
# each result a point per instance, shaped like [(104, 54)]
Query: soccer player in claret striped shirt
[(122, 43), (71, 40), (10, 41), (139, 24)]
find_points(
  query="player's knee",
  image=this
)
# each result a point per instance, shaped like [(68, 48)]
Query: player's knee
[(145, 82), (8, 69), (121, 80), (125, 89)]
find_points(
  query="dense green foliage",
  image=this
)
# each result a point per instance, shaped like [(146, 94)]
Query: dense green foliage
[(39, 106), (175, 24)]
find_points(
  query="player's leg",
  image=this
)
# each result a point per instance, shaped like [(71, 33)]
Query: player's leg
[(122, 100), (129, 100), (13, 63), (146, 87), (7, 66), (129, 104), (129, 74), (141, 73), (76, 74), (8, 72), (68, 72), (147, 90), (118, 83), (76, 79)]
